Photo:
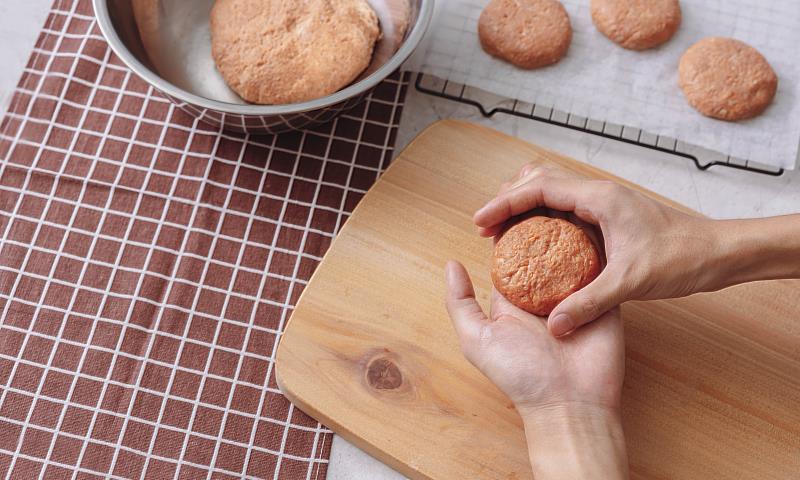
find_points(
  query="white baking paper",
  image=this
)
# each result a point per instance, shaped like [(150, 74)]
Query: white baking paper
[(602, 81)]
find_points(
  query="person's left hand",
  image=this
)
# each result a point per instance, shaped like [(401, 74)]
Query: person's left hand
[(535, 370), (567, 390)]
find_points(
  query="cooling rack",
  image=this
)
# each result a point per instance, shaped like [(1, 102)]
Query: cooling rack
[(702, 159)]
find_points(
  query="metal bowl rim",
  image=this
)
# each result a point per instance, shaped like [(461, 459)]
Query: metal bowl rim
[(364, 85)]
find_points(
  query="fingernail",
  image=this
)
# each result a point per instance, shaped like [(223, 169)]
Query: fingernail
[(561, 324)]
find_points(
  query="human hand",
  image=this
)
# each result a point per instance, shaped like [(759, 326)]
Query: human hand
[(652, 251), (535, 370), (567, 390)]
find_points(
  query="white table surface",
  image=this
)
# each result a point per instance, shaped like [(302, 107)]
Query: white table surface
[(719, 192)]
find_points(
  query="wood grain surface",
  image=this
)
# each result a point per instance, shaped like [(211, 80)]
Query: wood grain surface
[(712, 387)]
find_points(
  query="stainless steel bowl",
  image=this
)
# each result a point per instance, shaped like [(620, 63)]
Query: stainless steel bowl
[(170, 48)]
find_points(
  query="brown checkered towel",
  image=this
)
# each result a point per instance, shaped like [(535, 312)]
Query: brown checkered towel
[(148, 264)]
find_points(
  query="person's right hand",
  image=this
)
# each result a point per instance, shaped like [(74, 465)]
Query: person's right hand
[(652, 251)]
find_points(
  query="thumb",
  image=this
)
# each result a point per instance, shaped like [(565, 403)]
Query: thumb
[(465, 312), (601, 295)]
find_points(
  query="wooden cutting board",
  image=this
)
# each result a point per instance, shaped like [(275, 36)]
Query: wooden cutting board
[(712, 388)]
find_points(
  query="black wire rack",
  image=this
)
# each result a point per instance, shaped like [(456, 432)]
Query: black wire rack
[(433, 86)]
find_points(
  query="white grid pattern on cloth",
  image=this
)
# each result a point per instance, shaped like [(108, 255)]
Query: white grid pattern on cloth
[(247, 334), (8, 228), (141, 278), (316, 456), (46, 287)]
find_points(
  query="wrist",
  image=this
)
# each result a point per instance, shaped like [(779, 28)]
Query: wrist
[(566, 414), (575, 440), (756, 249), (725, 244)]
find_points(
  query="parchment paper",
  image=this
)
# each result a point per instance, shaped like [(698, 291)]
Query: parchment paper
[(605, 82)]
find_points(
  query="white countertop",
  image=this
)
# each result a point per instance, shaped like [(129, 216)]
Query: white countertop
[(719, 192)]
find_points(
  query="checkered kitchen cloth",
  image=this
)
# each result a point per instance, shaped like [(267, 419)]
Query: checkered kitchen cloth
[(148, 264)]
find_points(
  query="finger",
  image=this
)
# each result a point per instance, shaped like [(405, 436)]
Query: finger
[(465, 313), (506, 186), (557, 193), (594, 233), (491, 231), (601, 295), (528, 172), (557, 214), (525, 170), (500, 306), (495, 230), (531, 171)]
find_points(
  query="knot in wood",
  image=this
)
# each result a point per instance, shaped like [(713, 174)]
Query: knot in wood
[(383, 374)]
